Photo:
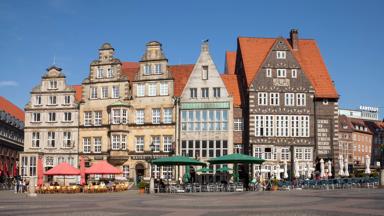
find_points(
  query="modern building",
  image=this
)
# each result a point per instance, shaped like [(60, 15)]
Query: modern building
[(51, 124), (11, 137), (206, 112), (290, 102), (364, 112)]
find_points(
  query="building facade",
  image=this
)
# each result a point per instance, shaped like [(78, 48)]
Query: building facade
[(51, 124), (362, 138), (345, 138), (206, 112), (11, 137), (291, 103)]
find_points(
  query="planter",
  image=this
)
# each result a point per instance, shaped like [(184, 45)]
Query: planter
[(141, 190), (275, 188)]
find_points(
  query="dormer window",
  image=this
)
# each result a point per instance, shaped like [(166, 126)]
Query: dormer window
[(280, 54), (158, 69), (147, 69), (281, 73), (204, 73), (99, 73), (52, 84), (269, 72)]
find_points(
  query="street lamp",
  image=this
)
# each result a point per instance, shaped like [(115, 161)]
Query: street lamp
[(152, 180)]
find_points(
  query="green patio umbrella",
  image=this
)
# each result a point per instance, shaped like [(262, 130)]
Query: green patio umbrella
[(235, 159), (223, 169), (204, 170), (177, 160), (187, 175)]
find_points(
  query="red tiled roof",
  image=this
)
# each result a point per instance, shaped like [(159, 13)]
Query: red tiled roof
[(79, 92), (360, 122), (255, 50), (180, 74), (230, 62), (232, 85), (130, 69), (11, 108)]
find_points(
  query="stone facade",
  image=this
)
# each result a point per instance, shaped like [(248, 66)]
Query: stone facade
[(51, 124)]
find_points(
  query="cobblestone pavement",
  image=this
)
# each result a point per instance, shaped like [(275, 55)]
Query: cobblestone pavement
[(333, 202)]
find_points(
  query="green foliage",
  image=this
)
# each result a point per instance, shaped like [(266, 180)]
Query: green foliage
[(143, 185)]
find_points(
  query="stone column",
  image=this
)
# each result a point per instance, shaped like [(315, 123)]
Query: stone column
[(31, 189)]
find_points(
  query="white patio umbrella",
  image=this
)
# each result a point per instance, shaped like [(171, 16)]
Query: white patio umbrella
[(341, 165), (285, 170), (297, 174), (346, 172), (321, 168), (329, 168), (278, 172), (309, 170), (367, 163)]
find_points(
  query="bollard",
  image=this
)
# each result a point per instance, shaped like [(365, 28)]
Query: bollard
[(31, 189)]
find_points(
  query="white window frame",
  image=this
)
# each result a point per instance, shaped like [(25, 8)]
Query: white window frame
[(35, 139), (93, 93), (294, 73), (204, 92), (268, 72), (156, 113), (140, 90), (104, 92), (281, 54), (139, 146), (216, 92), (281, 73), (99, 73), (204, 72), (51, 117), (167, 143), (238, 124), (36, 117), (274, 99), (52, 84), (152, 89), (126, 171), (289, 99), (38, 100), (140, 116), (110, 72), (164, 88), (97, 144), (167, 115), (156, 143), (98, 118), (87, 118), (158, 69), (51, 139), (52, 100), (147, 69), (262, 98), (115, 91), (300, 99), (86, 145), (115, 141), (67, 139)]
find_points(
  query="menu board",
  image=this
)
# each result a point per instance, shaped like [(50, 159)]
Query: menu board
[(324, 137)]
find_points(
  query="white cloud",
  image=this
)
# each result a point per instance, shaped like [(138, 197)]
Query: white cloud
[(8, 83)]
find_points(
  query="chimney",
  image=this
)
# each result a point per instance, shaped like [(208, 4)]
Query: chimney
[(294, 36)]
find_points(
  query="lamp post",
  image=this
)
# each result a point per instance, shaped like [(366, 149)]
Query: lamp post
[(152, 180)]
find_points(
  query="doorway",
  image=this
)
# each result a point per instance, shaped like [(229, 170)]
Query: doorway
[(140, 170)]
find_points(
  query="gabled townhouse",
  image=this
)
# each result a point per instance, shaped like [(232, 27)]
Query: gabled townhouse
[(51, 124), (291, 103)]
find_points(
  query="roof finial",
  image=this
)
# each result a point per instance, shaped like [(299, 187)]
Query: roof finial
[(204, 46), (54, 59)]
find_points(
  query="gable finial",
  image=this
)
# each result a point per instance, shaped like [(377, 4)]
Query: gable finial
[(204, 46)]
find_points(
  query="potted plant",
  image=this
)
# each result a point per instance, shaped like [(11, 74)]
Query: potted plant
[(142, 185), (275, 184)]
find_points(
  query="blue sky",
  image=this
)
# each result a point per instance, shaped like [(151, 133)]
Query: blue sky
[(349, 34)]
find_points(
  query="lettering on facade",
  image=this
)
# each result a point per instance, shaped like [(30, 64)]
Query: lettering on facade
[(281, 82), (323, 137)]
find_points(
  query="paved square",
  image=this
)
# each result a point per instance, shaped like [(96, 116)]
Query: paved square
[(313, 202)]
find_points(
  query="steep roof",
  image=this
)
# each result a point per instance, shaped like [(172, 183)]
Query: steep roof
[(345, 124), (79, 92), (130, 69), (230, 62), (360, 123), (255, 50), (11, 108), (232, 85), (180, 74)]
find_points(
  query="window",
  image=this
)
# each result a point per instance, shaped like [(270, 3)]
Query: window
[(300, 99), (158, 69), (110, 73), (99, 73), (51, 117), (262, 98), (49, 161), (97, 144), (274, 99), (204, 92), (285, 154), (298, 153), (140, 90), (167, 143), (156, 143), (147, 69), (115, 92), (325, 101), (152, 89), (204, 73), (167, 116), (238, 124), (258, 153), (104, 92), (268, 72), (87, 118), (124, 116), (35, 140), (280, 54), (289, 99), (216, 92), (32, 166), (164, 88), (98, 118), (193, 92), (281, 73), (67, 142), (115, 142), (238, 148), (139, 144), (87, 145), (116, 115), (307, 154), (52, 84), (67, 116), (140, 116), (294, 73), (51, 139), (155, 116), (38, 100), (52, 100), (126, 171), (36, 117), (167, 172), (123, 142), (93, 93)]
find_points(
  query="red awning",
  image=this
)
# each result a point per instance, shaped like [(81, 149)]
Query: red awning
[(102, 167), (63, 169)]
